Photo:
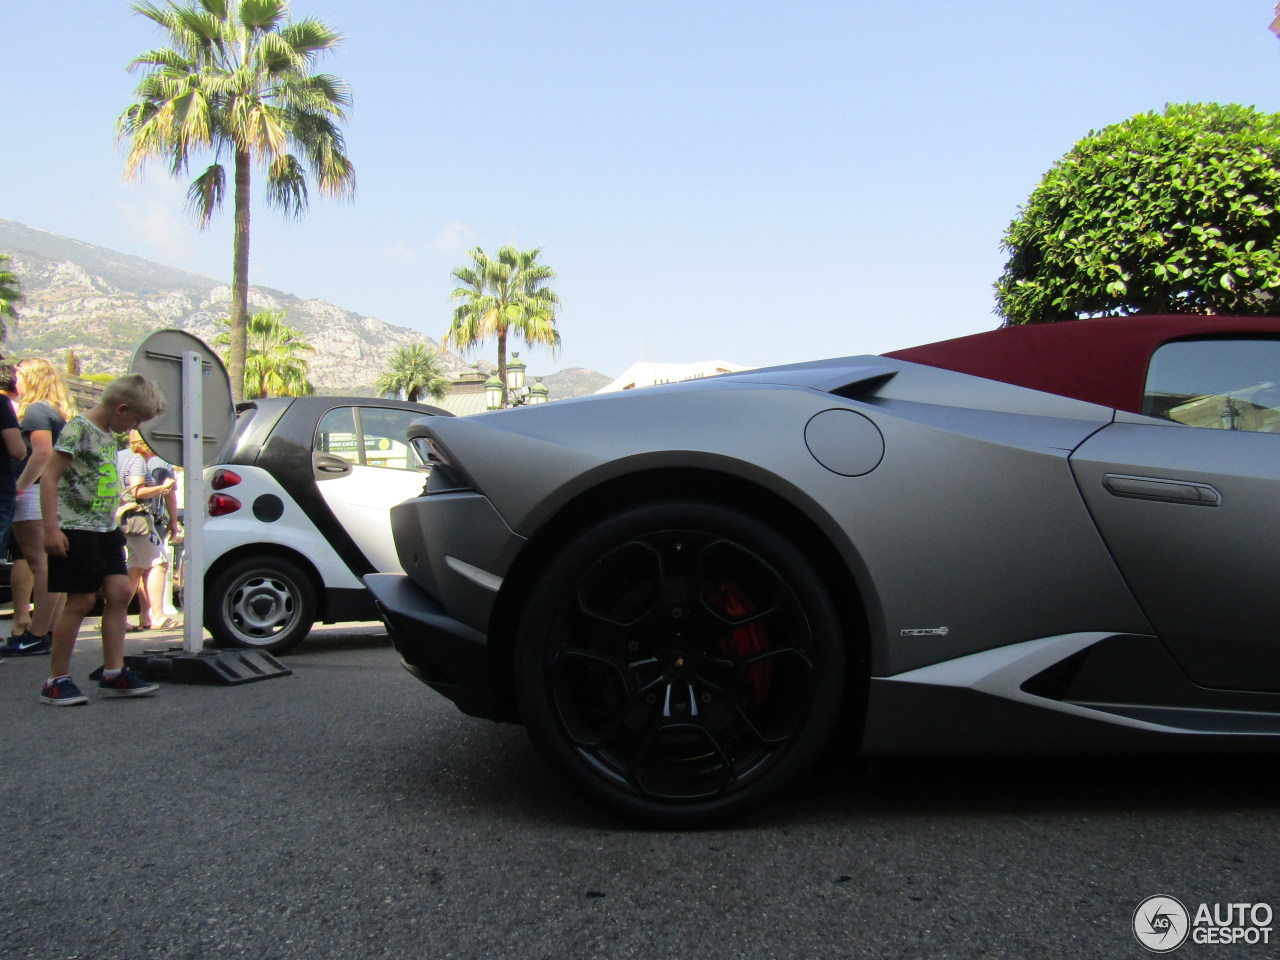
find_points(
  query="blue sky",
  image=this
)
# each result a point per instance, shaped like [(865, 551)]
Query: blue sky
[(746, 181)]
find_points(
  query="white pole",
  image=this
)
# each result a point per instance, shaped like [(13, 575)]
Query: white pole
[(193, 474)]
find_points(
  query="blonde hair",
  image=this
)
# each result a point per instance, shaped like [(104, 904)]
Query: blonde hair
[(139, 445), (135, 391), (42, 383)]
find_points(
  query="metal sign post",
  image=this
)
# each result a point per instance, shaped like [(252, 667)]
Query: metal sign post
[(193, 497), (191, 431)]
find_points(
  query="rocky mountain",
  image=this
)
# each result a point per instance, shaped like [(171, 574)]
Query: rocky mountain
[(574, 382), (101, 304)]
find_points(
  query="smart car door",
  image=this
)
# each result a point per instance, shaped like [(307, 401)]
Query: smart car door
[(1187, 499), (363, 466)]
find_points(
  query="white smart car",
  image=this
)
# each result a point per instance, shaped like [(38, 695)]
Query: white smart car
[(298, 512)]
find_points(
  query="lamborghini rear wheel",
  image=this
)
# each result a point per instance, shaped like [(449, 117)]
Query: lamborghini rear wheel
[(680, 663)]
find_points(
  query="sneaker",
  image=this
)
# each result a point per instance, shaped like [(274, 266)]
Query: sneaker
[(61, 692), (27, 645), (128, 684)]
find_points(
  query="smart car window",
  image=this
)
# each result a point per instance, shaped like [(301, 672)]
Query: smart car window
[(1217, 384), (336, 434), (384, 431)]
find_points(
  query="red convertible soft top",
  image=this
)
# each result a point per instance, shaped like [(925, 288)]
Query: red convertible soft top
[(1100, 360)]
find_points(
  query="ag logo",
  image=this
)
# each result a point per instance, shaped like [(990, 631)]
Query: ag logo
[(1161, 924)]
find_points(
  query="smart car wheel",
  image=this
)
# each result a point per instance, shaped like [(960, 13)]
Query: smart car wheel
[(267, 603), (680, 663)]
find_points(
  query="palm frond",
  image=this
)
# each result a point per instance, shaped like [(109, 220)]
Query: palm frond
[(165, 58), (322, 144), (220, 9), (161, 16), (275, 55), (287, 185), (263, 15), (204, 196), (330, 90), (311, 36), (471, 279)]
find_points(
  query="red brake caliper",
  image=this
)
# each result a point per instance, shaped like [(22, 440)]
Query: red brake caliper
[(745, 641)]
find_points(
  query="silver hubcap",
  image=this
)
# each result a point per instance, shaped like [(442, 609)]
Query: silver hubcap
[(261, 607)]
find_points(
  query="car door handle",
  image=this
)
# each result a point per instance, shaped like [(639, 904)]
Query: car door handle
[(1165, 491), (329, 463)]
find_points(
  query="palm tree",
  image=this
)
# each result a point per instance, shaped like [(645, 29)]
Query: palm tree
[(273, 366), (501, 295), (9, 295), (235, 82), (414, 371)]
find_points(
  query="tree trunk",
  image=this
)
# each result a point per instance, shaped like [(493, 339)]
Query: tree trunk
[(240, 279), (502, 363)]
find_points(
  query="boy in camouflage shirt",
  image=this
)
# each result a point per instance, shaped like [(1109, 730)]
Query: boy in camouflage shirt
[(79, 493)]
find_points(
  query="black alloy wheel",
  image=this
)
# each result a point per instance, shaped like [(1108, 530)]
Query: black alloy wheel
[(680, 663)]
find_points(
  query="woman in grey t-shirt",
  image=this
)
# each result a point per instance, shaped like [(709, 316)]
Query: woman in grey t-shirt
[(44, 407)]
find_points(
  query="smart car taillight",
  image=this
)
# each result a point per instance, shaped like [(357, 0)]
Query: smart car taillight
[(220, 504), (223, 479)]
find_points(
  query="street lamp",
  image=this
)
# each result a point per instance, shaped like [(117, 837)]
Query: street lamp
[(493, 393), (518, 392), (515, 373)]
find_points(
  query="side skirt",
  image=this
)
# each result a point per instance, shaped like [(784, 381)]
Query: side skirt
[(1080, 692)]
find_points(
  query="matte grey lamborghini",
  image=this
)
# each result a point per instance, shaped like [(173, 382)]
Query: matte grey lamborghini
[(1047, 538)]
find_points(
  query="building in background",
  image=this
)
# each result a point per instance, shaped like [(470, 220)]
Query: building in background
[(646, 374), (465, 396)]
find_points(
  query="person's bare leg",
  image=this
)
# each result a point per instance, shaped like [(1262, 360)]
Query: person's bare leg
[(30, 536), (115, 604), (155, 591), (57, 601), (138, 586), (77, 608), (20, 584)]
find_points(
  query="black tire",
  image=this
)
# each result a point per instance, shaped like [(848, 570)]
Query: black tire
[(680, 663), (267, 603)]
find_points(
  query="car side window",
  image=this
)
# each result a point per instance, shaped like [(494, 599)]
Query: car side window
[(336, 434), (383, 432), (1217, 384)]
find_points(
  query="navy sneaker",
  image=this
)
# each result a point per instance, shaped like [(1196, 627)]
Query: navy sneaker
[(27, 645), (61, 692), (128, 684)]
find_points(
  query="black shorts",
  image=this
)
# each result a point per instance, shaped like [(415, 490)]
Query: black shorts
[(91, 558)]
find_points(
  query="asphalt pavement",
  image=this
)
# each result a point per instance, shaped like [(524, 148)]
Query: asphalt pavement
[(346, 811)]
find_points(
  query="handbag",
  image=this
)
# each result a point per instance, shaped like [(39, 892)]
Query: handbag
[(133, 518), (134, 521)]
